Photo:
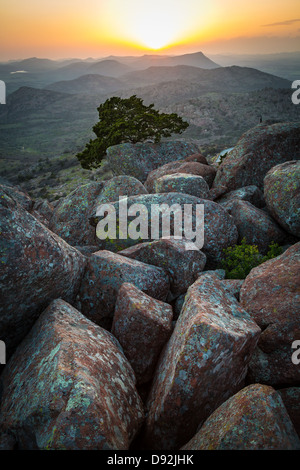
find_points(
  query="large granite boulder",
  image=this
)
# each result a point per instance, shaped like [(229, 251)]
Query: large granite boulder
[(271, 295), (255, 225), (69, 386), (120, 186), (257, 152), (18, 195), (139, 159), (250, 193), (207, 172), (104, 275), (71, 217), (182, 183), (282, 195), (253, 419), (142, 325), (291, 399), (203, 364), (219, 228), (182, 264), (36, 267)]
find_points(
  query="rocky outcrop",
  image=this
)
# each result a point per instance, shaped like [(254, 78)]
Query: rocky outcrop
[(282, 194), (36, 267), (71, 217), (139, 159), (120, 186), (69, 386), (182, 264), (104, 275), (18, 195), (257, 152), (137, 313), (219, 228), (207, 172), (253, 419), (203, 364), (255, 225), (182, 183), (250, 194), (270, 294)]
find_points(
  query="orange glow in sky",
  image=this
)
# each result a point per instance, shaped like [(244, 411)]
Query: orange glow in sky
[(82, 28)]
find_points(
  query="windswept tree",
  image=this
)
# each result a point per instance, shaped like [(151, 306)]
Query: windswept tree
[(127, 120)]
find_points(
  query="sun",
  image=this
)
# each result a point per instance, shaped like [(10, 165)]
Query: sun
[(155, 33)]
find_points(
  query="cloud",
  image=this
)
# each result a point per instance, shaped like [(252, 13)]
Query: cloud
[(283, 23)]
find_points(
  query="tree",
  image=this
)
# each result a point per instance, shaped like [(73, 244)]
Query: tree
[(127, 120)]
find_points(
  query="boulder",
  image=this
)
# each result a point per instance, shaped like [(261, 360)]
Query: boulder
[(233, 286), (182, 265), (257, 152), (219, 228), (271, 295), (219, 273), (142, 325), (104, 275), (291, 399), (215, 193), (69, 386), (203, 364), (139, 159), (43, 210), (70, 218), (120, 186), (255, 225), (250, 194), (182, 183), (87, 250), (36, 267), (197, 157), (253, 419), (207, 172), (18, 195), (282, 194)]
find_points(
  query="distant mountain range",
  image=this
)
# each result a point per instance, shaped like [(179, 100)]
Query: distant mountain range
[(183, 79), (52, 105)]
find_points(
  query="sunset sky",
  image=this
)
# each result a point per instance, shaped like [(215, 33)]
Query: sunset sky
[(98, 28)]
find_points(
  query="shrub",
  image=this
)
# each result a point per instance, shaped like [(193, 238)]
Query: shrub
[(238, 260)]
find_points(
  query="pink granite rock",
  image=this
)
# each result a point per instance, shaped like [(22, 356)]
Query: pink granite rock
[(271, 295), (142, 325), (203, 364), (69, 386), (253, 419), (104, 275)]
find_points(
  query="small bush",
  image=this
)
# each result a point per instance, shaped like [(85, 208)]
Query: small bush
[(240, 259)]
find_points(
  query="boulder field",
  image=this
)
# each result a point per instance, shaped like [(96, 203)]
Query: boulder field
[(133, 343)]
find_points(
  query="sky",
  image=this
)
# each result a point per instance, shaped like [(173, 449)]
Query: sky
[(98, 28)]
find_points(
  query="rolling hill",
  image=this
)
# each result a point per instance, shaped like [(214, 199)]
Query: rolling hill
[(87, 84)]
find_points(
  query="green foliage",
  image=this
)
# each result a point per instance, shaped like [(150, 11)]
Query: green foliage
[(127, 120), (240, 259)]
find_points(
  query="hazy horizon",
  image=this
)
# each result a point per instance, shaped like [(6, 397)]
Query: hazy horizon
[(98, 29)]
